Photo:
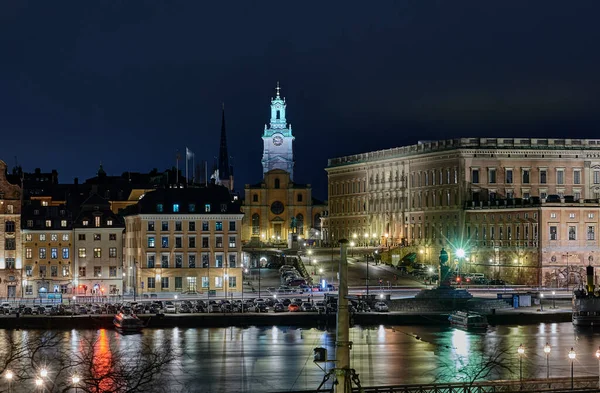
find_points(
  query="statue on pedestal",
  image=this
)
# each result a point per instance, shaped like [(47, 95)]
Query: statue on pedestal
[(444, 270)]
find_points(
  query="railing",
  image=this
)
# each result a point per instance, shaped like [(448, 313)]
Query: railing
[(584, 384)]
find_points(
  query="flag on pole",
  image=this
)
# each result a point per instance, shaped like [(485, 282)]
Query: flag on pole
[(188, 153)]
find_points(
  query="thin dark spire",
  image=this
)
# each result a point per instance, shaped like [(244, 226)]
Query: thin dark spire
[(224, 171)]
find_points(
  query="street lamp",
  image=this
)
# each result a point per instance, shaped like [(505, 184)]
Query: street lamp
[(572, 356), (521, 352), (352, 244), (541, 302), (553, 299), (547, 350), (8, 375), (44, 373), (76, 380), (598, 357), (321, 276)]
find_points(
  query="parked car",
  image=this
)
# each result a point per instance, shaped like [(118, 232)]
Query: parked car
[(380, 307), (278, 307), (320, 306), (306, 306), (293, 307), (170, 308)]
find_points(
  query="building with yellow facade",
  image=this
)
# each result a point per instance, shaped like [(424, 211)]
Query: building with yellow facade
[(184, 240)]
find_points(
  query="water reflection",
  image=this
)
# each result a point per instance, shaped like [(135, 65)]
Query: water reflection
[(280, 358)]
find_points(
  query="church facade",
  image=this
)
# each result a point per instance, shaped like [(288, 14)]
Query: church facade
[(277, 207)]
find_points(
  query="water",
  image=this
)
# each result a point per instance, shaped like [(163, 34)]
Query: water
[(281, 358)]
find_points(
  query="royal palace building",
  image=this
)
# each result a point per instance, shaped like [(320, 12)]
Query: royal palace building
[(523, 209)]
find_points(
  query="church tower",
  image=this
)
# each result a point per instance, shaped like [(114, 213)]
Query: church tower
[(278, 140)]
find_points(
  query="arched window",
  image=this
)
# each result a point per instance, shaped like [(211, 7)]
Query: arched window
[(278, 116), (277, 183), (300, 224), (255, 224)]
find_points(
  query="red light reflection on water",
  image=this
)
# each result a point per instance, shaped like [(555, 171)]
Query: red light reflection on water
[(102, 367)]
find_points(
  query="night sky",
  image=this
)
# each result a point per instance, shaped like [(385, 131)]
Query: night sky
[(127, 83)]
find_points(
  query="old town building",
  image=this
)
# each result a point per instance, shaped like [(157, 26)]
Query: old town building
[(98, 246), (522, 208), (184, 240), (47, 250), (11, 281), (277, 207)]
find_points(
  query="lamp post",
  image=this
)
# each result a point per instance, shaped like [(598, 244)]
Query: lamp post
[(367, 261), (521, 352), (8, 375), (541, 302), (259, 267), (572, 356), (598, 357), (352, 244), (460, 253), (547, 350), (366, 239), (76, 380)]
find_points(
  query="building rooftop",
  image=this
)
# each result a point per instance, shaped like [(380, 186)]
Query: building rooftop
[(468, 143)]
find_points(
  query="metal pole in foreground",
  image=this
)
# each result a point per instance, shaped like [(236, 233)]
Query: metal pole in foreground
[(342, 343)]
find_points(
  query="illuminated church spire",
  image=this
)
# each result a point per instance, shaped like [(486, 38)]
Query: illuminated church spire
[(277, 138)]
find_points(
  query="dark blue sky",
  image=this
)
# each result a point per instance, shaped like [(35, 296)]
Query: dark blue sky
[(130, 82)]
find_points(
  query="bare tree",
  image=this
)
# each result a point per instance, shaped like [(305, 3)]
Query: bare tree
[(100, 365), (472, 368)]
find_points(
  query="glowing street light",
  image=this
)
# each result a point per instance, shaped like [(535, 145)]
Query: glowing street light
[(521, 352), (75, 380), (460, 253), (8, 375), (547, 350), (44, 373), (572, 356), (598, 357)]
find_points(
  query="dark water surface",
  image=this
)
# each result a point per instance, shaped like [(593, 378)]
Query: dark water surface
[(281, 358)]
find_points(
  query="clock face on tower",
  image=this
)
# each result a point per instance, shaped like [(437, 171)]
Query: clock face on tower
[(277, 140)]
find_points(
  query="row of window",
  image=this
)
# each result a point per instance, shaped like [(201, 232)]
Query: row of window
[(43, 271), (352, 187), (572, 232), (219, 261), (430, 178), (164, 226), (191, 284), (164, 242), (82, 252), (526, 176), (176, 207), (65, 237)]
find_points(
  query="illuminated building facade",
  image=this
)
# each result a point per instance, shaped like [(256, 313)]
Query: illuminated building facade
[(184, 240), (502, 199), (98, 249), (11, 281), (277, 206)]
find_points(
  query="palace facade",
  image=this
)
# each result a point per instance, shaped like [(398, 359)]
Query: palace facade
[(524, 209)]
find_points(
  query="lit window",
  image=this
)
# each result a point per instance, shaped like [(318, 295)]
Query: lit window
[(590, 215), (65, 253), (159, 208), (65, 237), (43, 237), (97, 221), (176, 208), (48, 223), (44, 203), (109, 222), (552, 215), (54, 253), (85, 223), (81, 252), (97, 236), (218, 226), (28, 237), (572, 233), (97, 252), (54, 237), (112, 252), (207, 208), (571, 215), (151, 242), (29, 253)]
